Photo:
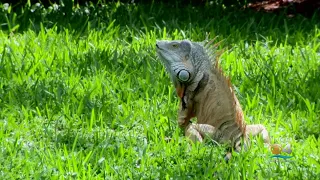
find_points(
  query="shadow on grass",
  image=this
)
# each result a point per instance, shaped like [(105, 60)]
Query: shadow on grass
[(230, 23)]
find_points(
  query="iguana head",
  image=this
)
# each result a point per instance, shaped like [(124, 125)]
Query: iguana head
[(185, 61)]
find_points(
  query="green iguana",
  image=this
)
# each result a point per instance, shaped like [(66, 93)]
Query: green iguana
[(206, 94)]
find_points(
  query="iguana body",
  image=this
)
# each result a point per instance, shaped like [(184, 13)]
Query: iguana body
[(206, 94)]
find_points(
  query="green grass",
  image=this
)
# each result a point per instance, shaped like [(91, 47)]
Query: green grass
[(83, 96)]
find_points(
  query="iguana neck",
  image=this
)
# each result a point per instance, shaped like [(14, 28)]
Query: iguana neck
[(202, 83)]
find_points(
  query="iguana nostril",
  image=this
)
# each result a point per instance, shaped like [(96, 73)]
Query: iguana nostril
[(183, 75)]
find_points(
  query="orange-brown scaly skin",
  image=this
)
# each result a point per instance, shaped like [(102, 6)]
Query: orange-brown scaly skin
[(185, 114), (205, 93)]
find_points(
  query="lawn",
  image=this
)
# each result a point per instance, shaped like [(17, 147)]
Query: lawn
[(83, 95)]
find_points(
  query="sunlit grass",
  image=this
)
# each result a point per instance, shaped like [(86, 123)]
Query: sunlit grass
[(89, 99)]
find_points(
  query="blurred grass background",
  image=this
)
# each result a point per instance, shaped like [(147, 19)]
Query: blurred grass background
[(83, 96)]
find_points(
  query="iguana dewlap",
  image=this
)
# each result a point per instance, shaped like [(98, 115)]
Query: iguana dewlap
[(206, 94)]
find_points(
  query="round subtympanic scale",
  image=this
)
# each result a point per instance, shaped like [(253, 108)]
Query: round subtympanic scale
[(183, 75)]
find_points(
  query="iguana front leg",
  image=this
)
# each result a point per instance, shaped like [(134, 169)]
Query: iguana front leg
[(185, 114), (197, 132), (186, 110)]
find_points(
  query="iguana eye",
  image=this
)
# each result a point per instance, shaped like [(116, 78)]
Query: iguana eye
[(175, 45)]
